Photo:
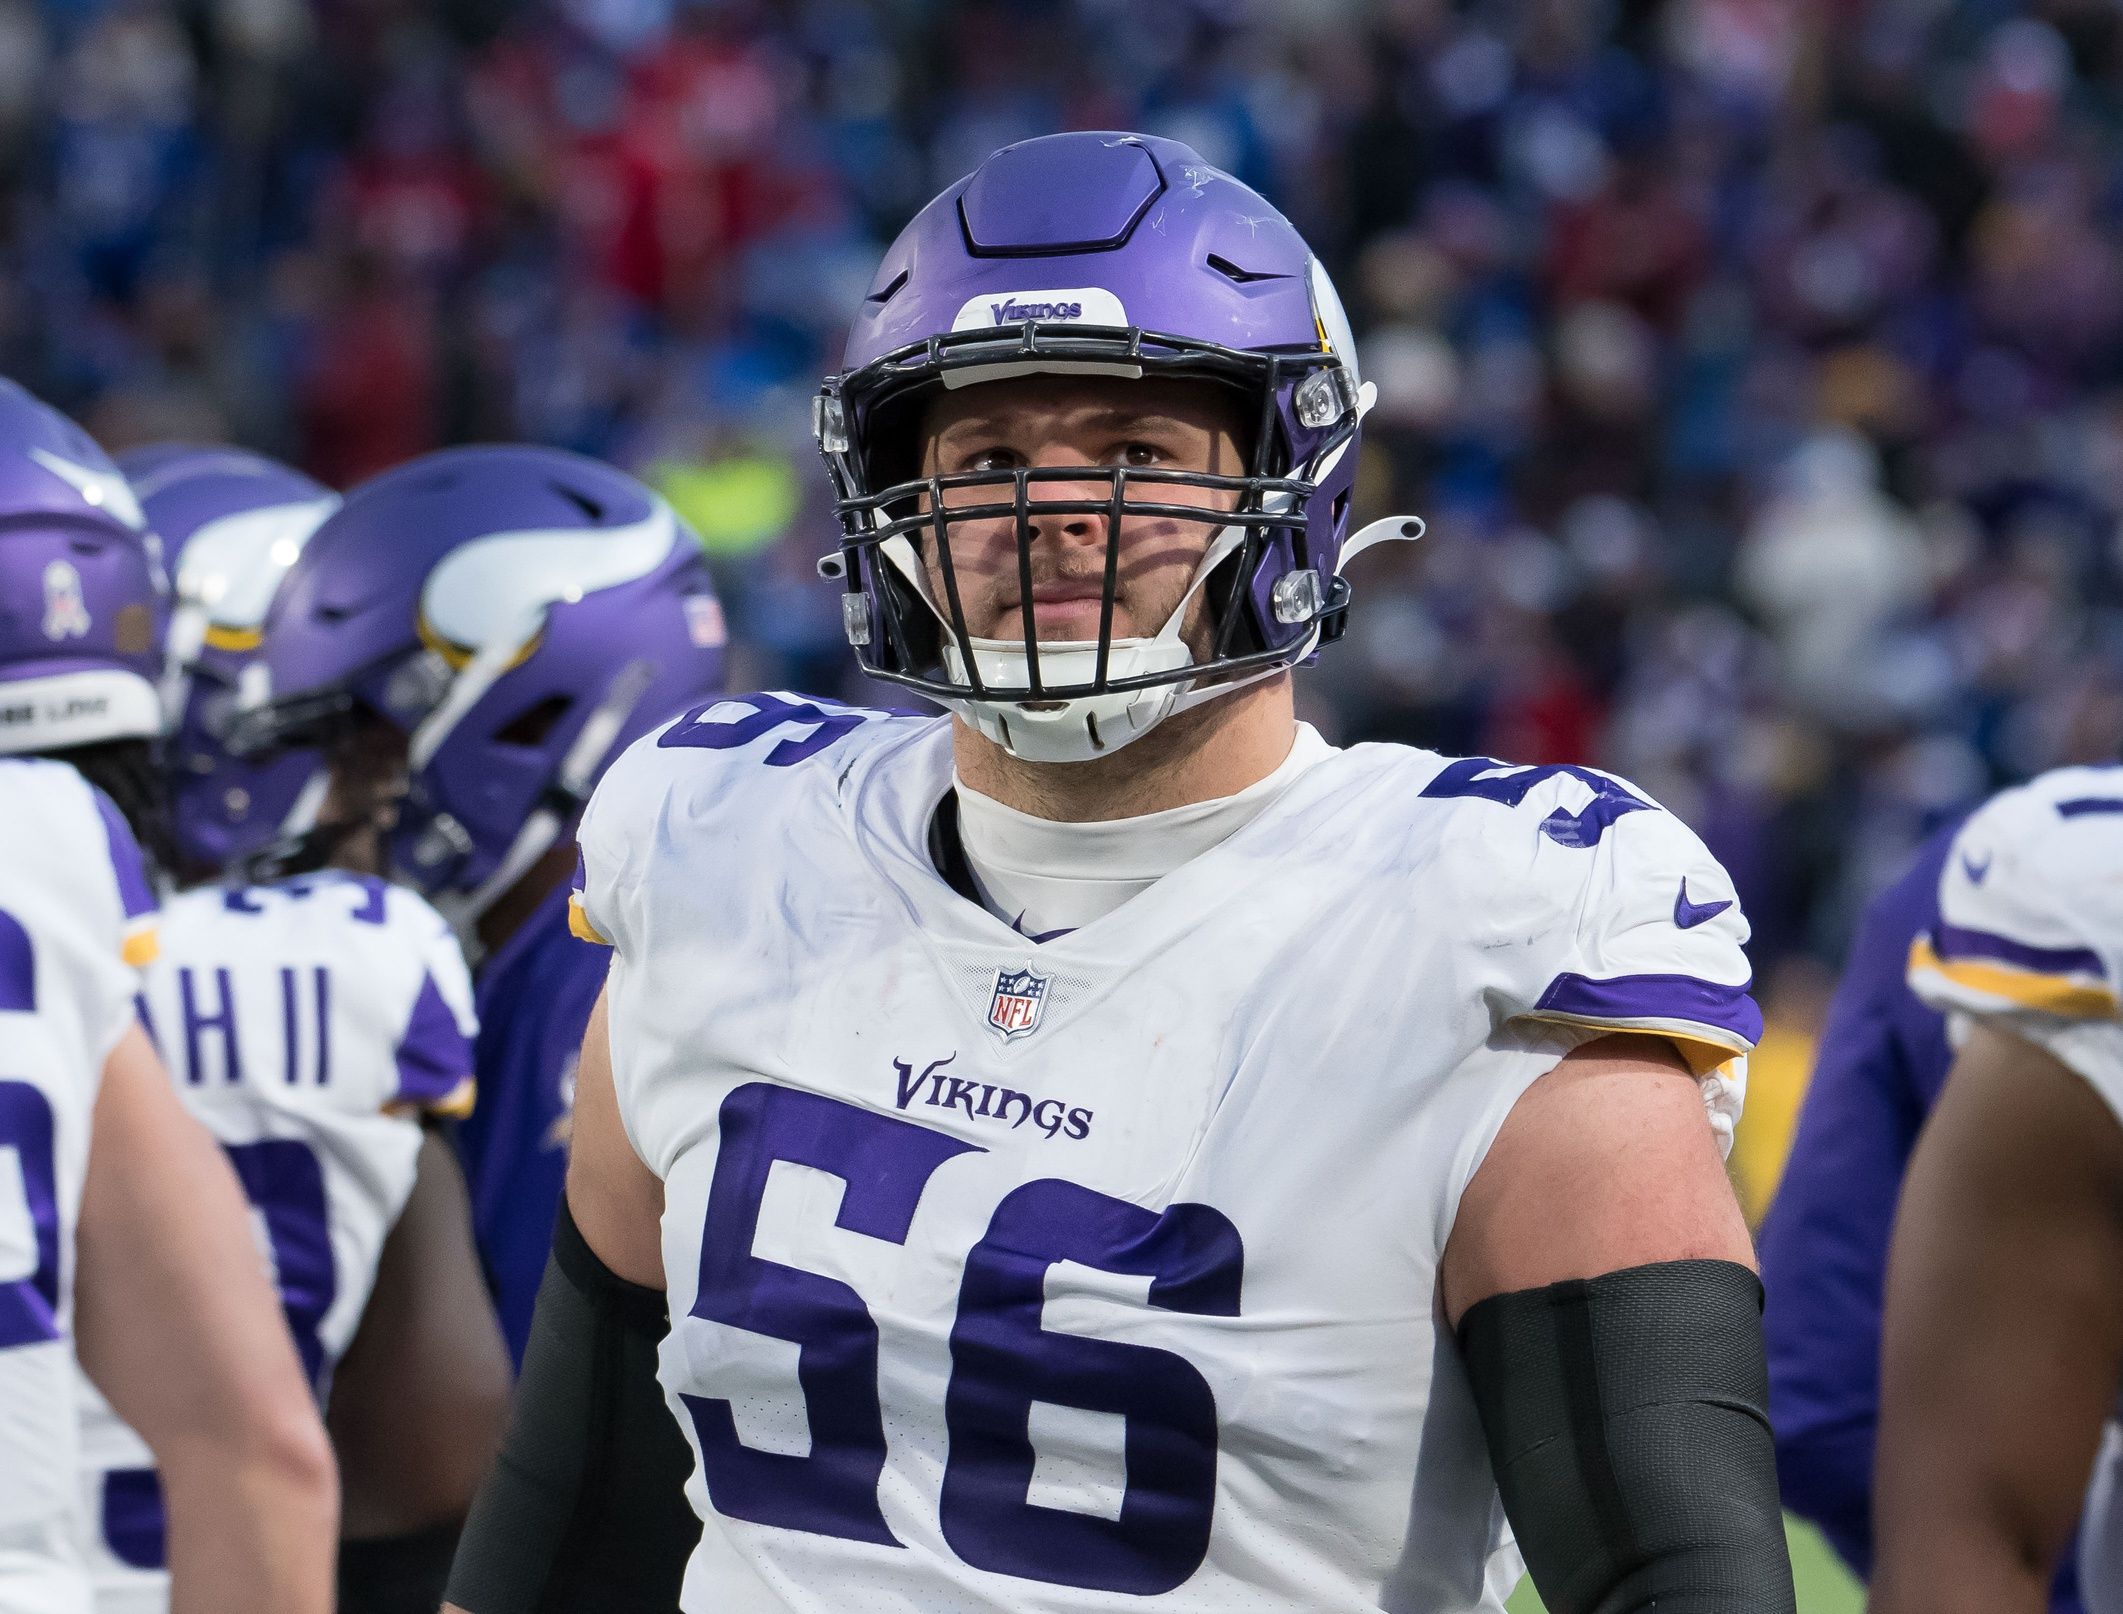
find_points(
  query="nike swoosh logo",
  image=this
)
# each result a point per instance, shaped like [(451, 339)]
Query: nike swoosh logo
[(1688, 914), (1976, 872), (1018, 925), (99, 488)]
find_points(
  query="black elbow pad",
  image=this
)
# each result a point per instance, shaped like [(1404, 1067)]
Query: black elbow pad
[(586, 1506), (1627, 1421)]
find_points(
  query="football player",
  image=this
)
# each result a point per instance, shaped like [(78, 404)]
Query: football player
[(1108, 1148), (123, 1232), (2002, 1353), (498, 622), (492, 625), (1882, 1064), (310, 1023)]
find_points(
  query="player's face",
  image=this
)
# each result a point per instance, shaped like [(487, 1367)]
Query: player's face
[(368, 769), (1095, 423)]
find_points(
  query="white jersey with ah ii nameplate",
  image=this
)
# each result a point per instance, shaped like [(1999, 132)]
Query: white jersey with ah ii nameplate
[(76, 916), (1023, 1276), (2030, 940), (308, 1024)]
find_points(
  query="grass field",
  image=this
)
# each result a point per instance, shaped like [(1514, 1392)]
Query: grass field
[(1824, 1585)]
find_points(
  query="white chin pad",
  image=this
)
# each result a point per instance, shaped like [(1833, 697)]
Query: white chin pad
[(1078, 728), (1083, 726)]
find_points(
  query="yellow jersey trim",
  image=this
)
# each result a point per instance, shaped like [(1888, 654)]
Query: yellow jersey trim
[(220, 638), (2023, 989), (454, 1105), (141, 947), (579, 925), (1704, 1052)]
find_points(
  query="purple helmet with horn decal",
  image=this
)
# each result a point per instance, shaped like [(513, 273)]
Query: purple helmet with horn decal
[(83, 593), (520, 614), (1102, 254), (232, 523)]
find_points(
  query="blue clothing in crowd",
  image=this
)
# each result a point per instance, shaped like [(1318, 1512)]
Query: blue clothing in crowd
[(534, 995), (1883, 1060)]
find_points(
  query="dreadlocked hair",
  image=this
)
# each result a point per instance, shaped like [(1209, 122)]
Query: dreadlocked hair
[(127, 772)]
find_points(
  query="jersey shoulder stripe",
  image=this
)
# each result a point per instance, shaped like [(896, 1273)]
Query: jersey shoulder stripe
[(1613, 913), (2031, 904)]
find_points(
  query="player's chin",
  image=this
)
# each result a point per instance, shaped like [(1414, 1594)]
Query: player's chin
[(1061, 622)]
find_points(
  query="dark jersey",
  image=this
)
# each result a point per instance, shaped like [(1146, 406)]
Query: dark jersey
[(534, 996)]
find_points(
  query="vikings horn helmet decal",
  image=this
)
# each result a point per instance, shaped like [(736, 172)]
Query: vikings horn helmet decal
[(1105, 254), (519, 615)]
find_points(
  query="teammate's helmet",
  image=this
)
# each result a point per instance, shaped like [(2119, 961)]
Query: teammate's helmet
[(520, 614), (232, 523), (1107, 254), (83, 594)]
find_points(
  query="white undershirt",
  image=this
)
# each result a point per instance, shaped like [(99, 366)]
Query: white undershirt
[(1045, 877)]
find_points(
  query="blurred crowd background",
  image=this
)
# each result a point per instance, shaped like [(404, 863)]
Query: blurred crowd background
[(1757, 363)]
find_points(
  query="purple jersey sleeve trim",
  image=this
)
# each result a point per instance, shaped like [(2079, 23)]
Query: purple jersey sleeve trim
[(1955, 942), (134, 892), (2089, 806), (434, 1056), (1639, 998)]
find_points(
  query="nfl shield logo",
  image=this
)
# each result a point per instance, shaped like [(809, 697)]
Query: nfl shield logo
[(1014, 1010)]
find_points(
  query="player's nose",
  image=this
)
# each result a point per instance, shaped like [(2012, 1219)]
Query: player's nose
[(1067, 509)]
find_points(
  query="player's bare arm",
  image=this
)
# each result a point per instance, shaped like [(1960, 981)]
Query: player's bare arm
[(179, 1327), (420, 1399), (1607, 1162), (2004, 1333), (1600, 1280)]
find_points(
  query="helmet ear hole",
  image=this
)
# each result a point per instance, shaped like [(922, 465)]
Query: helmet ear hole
[(531, 726)]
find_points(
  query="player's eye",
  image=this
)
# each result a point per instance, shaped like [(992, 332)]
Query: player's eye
[(991, 459), (1140, 453)]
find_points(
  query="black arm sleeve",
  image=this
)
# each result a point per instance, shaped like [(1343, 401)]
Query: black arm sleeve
[(1627, 1421), (396, 1574), (586, 1506)]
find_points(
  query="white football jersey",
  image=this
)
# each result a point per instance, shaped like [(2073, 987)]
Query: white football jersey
[(76, 914), (308, 1024), (2030, 938), (1036, 1276)]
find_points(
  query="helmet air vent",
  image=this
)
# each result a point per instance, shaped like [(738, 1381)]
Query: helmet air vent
[(1241, 277), (531, 726), (580, 500)]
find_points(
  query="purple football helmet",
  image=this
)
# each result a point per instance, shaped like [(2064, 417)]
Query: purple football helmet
[(520, 614), (232, 523), (1104, 254), (83, 594)]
